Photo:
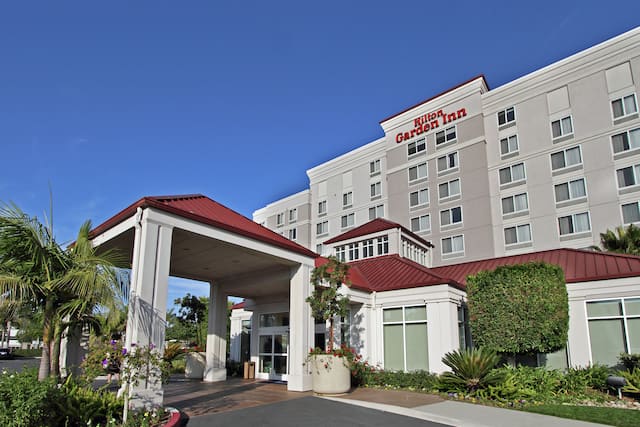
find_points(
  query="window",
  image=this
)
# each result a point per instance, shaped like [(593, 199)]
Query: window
[(571, 190), (448, 162), (449, 189), (376, 212), (383, 245), (624, 106), (566, 158), (451, 216), (421, 223), (293, 215), (561, 127), (347, 199), (419, 198), (418, 172), (509, 145), (517, 234), (464, 334), (280, 219), (630, 213), (367, 248), (614, 328), (347, 220), (628, 176), (354, 252), (406, 346), (341, 252), (453, 245), (376, 189), (374, 167), (576, 223), (447, 135), (293, 234), (506, 116), (516, 203), (320, 249), (513, 173), (322, 207), (322, 228), (626, 141), (416, 147)]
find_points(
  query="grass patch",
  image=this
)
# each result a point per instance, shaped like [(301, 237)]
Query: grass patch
[(610, 416)]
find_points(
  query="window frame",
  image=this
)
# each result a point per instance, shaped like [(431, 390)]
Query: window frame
[(322, 204), (447, 157), (635, 168), (404, 322), (348, 219), (450, 219), (376, 209), (573, 223), (511, 181), (564, 158), (624, 317), (505, 114), (418, 193), (293, 215), (516, 228), (561, 122), (508, 141), (452, 253), (417, 167), (322, 228), (347, 199), (375, 190), (622, 205), (293, 234), (417, 146), (449, 195), (280, 219), (374, 167), (626, 137), (420, 219), (568, 183), (513, 198), (625, 114), (446, 136)]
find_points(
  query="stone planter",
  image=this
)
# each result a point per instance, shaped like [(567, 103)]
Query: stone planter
[(194, 365), (331, 374)]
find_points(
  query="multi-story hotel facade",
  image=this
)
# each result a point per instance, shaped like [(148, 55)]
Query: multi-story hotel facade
[(546, 161)]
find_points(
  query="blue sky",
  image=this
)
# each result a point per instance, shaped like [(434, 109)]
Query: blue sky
[(111, 101)]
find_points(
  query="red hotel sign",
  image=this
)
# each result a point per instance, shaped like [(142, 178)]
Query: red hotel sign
[(430, 121)]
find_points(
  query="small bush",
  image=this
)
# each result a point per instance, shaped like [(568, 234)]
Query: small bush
[(576, 380), (633, 380), (630, 360), (472, 369), (415, 380), (27, 352)]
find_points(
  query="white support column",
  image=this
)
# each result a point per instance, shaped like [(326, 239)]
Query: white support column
[(215, 368), (301, 328), (146, 321)]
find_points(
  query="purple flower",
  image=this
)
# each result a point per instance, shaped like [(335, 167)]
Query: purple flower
[(105, 362), (151, 346), (113, 342), (124, 351)]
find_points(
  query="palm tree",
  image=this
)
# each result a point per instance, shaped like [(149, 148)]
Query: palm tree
[(63, 282), (622, 240)]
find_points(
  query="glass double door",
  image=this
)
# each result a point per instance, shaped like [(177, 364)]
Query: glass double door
[(274, 354)]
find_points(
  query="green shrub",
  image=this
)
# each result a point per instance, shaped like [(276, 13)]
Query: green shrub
[(27, 352), (576, 380), (633, 380), (235, 369), (630, 360), (472, 369), (415, 380), (86, 406)]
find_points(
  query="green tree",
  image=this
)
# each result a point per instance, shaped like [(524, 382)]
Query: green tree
[(325, 301), (518, 309), (192, 314), (621, 240), (63, 282)]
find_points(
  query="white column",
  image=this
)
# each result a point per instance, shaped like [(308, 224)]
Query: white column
[(301, 328), (146, 321), (215, 368)]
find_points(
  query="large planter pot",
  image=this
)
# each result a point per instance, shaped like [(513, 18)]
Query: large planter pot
[(194, 365), (331, 374)]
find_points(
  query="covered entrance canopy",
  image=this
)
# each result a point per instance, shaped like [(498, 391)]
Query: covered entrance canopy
[(194, 237)]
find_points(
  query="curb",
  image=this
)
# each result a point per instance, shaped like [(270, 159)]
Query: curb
[(174, 419)]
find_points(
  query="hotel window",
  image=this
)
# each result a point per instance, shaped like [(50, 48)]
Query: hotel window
[(347, 199), (626, 141), (406, 345), (322, 207), (341, 253), (322, 228), (506, 116), (628, 176), (376, 190), (451, 216), (630, 213), (419, 198), (561, 127), (624, 106), (571, 190), (614, 328), (376, 212), (513, 173), (354, 252), (453, 245), (320, 249), (293, 234), (572, 224), (418, 172), (447, 135), (421, 223), (383, 245), (347, 220), (565, 158), (374, 167), (517, 234), (367, 248), (449, 189), (280, 219), (509, 145), (416, 147), (515, 203), (448, 162), (293, 215)]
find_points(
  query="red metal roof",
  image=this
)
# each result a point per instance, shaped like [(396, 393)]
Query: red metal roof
[(238, 305), (578, 265), (374, 226), (202, 209)]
